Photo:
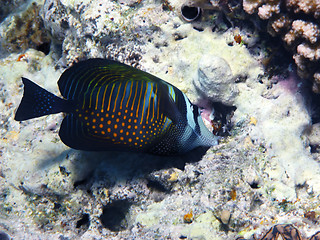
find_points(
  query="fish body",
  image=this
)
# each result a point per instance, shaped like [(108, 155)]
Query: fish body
[(112, 106)]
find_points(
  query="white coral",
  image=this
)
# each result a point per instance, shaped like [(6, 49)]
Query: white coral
[(310, 52), (308, 30), (306, 6), (251, 5), (267, 10)]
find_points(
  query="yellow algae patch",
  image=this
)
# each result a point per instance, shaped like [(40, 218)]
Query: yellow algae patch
[(173, 177), (248, 142), (253, 121), (12, 135)]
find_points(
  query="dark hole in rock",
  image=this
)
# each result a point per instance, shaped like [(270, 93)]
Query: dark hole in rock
[(113, 215), (88, 36), (222, 118), (64, 24), (199, 29), (254, 185), (83, 181), (80, 182), (64, 171), (312, 102), (4, 236), (50, 6), (178, 37), (44, 47), (56, 206), (157, 186), (84, 221), (190, 13), (314, 148)]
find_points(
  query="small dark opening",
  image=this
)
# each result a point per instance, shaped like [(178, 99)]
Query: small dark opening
[(254, 185), (4, 236), (113, 215), (44, 47), (157, 186), (84, 221), (81, 182), (56, 206), (314, 148), (190, 13)]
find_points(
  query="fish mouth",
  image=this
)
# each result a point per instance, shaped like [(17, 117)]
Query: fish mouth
[(207, 118)]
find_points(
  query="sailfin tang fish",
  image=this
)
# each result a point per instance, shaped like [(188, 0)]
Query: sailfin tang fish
[(113, 106)]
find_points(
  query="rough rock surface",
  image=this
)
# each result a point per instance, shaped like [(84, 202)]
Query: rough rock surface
[(9, 6), (215, 80)]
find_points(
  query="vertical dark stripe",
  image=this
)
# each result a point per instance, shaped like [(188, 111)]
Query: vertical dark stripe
[(135, 95), (109, 101), (131, 86), (117, 96), (144, 102), (123, 94), (150, 105), (154, 106)]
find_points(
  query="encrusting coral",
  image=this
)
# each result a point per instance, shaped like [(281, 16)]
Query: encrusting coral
[(297, 23)]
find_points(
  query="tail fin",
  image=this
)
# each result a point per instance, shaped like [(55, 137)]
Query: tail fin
[(37, 102)]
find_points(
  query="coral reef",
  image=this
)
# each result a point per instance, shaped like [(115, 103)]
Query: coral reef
[(104, 29), (297, 24), (25, 30), (265, 172)]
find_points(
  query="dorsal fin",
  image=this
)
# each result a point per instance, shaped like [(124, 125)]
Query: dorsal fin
[(84, 76)]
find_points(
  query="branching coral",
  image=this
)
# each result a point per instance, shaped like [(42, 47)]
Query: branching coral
[(305, 6), (297, 23)]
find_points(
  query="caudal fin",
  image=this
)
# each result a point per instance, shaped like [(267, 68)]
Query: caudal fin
[(37, 102)]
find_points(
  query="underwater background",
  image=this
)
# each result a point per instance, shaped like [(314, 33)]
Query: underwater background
[(252, 65)]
